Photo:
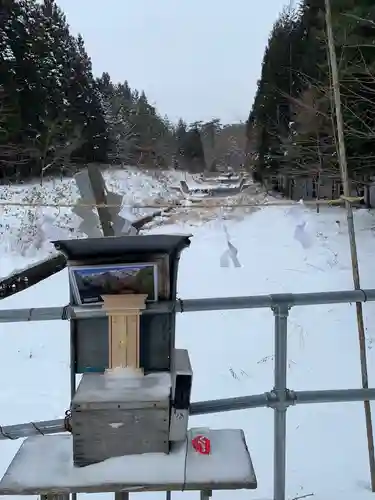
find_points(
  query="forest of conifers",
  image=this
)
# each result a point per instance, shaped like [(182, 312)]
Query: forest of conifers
[(55, 115), (291, 127)]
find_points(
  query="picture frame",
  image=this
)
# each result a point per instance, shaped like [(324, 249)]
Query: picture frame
[(163, 270), (90, 283)]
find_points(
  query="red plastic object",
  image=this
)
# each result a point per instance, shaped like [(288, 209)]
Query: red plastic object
[(201, 444)]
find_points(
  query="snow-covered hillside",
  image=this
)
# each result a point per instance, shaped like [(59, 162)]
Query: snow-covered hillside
[(231, 351), (31, 225)]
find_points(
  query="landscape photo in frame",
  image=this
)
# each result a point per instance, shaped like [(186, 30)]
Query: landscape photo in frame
[(90, 283)]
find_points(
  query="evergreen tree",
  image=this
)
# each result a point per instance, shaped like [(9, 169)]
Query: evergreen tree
[(270, 116), (291, 125), (52, 108)]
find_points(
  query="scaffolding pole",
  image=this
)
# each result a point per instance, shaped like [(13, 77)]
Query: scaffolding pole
[(69, 312), (241, 403), (351, 230)]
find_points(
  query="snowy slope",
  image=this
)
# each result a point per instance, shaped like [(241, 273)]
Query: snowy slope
[(23, 228), (231, 351)]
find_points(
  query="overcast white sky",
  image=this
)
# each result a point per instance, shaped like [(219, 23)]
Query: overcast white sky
[(195, 59)]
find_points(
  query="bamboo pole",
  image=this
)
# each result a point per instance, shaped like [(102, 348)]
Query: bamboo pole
[(351, 230)]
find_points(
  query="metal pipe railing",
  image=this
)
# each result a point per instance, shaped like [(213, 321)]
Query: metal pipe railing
[(280, 391), (267, 399), (193, 305)]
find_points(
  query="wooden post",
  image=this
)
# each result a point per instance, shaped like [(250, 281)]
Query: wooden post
[(98, 189), (351, 230), (122, 495), (123, 329), (206, 494), (55, 496)]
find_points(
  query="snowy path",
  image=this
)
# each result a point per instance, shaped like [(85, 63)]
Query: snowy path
[(231, 351)]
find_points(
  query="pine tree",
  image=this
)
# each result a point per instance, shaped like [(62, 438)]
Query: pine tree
[(52, 109), (290, 128)]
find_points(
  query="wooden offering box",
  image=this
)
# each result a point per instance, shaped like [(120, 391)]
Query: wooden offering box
[(120, 412)]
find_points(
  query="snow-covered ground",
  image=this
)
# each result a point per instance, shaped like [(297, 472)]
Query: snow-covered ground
[(30, 224), (231, 351)]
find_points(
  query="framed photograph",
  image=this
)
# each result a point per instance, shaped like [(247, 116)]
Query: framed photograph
[(89, 283)]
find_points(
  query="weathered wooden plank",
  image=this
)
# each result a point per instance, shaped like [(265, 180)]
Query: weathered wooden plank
[(31, 275), (98, 189)]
